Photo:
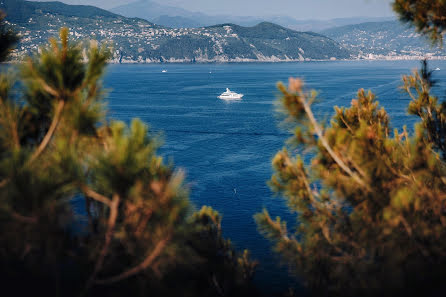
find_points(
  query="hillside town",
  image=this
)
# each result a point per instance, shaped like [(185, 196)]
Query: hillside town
[(135, 40)]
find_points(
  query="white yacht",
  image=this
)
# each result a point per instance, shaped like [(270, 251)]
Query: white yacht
[(164, 71), (229, 95)]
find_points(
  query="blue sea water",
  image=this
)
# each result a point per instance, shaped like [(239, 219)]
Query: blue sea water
[(226, 147)]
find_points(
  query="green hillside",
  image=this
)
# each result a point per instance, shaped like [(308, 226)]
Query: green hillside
[(20, 11), (382, 38), (137, 40)]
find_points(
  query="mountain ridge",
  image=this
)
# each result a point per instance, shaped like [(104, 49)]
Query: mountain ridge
[(383, 39), (27, 7), (137, 40), (176, 17)]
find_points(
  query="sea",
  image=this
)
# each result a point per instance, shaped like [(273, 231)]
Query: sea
[(226, 147)]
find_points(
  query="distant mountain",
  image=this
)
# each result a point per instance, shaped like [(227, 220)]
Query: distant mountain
[(176, 22), (175, 17), (321, 25), (383, 38), (148, 10), (137, 40)]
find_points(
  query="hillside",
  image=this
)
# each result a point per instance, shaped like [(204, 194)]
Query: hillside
[(137, 40), (19, 11), (382, 39)]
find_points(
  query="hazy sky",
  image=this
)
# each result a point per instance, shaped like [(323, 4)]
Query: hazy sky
[(299, 9)]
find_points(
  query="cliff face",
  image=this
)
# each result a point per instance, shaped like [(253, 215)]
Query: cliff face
[(137, 40)]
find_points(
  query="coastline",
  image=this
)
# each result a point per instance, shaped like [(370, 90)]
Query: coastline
[(240, 60), (265, 60)]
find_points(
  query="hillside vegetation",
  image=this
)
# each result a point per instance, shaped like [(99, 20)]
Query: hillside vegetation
[(137, 40), (382, 38)]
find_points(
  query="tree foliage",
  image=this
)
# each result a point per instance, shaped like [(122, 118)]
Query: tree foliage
[(87, 207), (370, 203), (427, 107), (426, 15), (8, 38)]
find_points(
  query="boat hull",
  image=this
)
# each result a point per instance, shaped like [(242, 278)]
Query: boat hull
[(239, 97)]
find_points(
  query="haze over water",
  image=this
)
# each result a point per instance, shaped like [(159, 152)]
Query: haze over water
[(226, 147)]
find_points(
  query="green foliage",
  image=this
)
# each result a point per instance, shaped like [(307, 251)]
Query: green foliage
[(426, 106), (370, 205), (87, 207), (19, 10), (8, 38), (426, 15)]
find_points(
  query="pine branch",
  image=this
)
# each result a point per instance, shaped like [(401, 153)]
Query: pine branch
[(108, 237), (23, 219), (13, 124), (95, 196), (217, 286), (143, 223), (42, 82), (4, 182), (137, 269), (326, 145), (51, 130)]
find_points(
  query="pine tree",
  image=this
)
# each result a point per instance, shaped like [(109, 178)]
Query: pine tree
[(87, 207), (370, 200), (426, 15), (8, 38)]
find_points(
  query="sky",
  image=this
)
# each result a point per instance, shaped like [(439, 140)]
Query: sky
[(299, 9)]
